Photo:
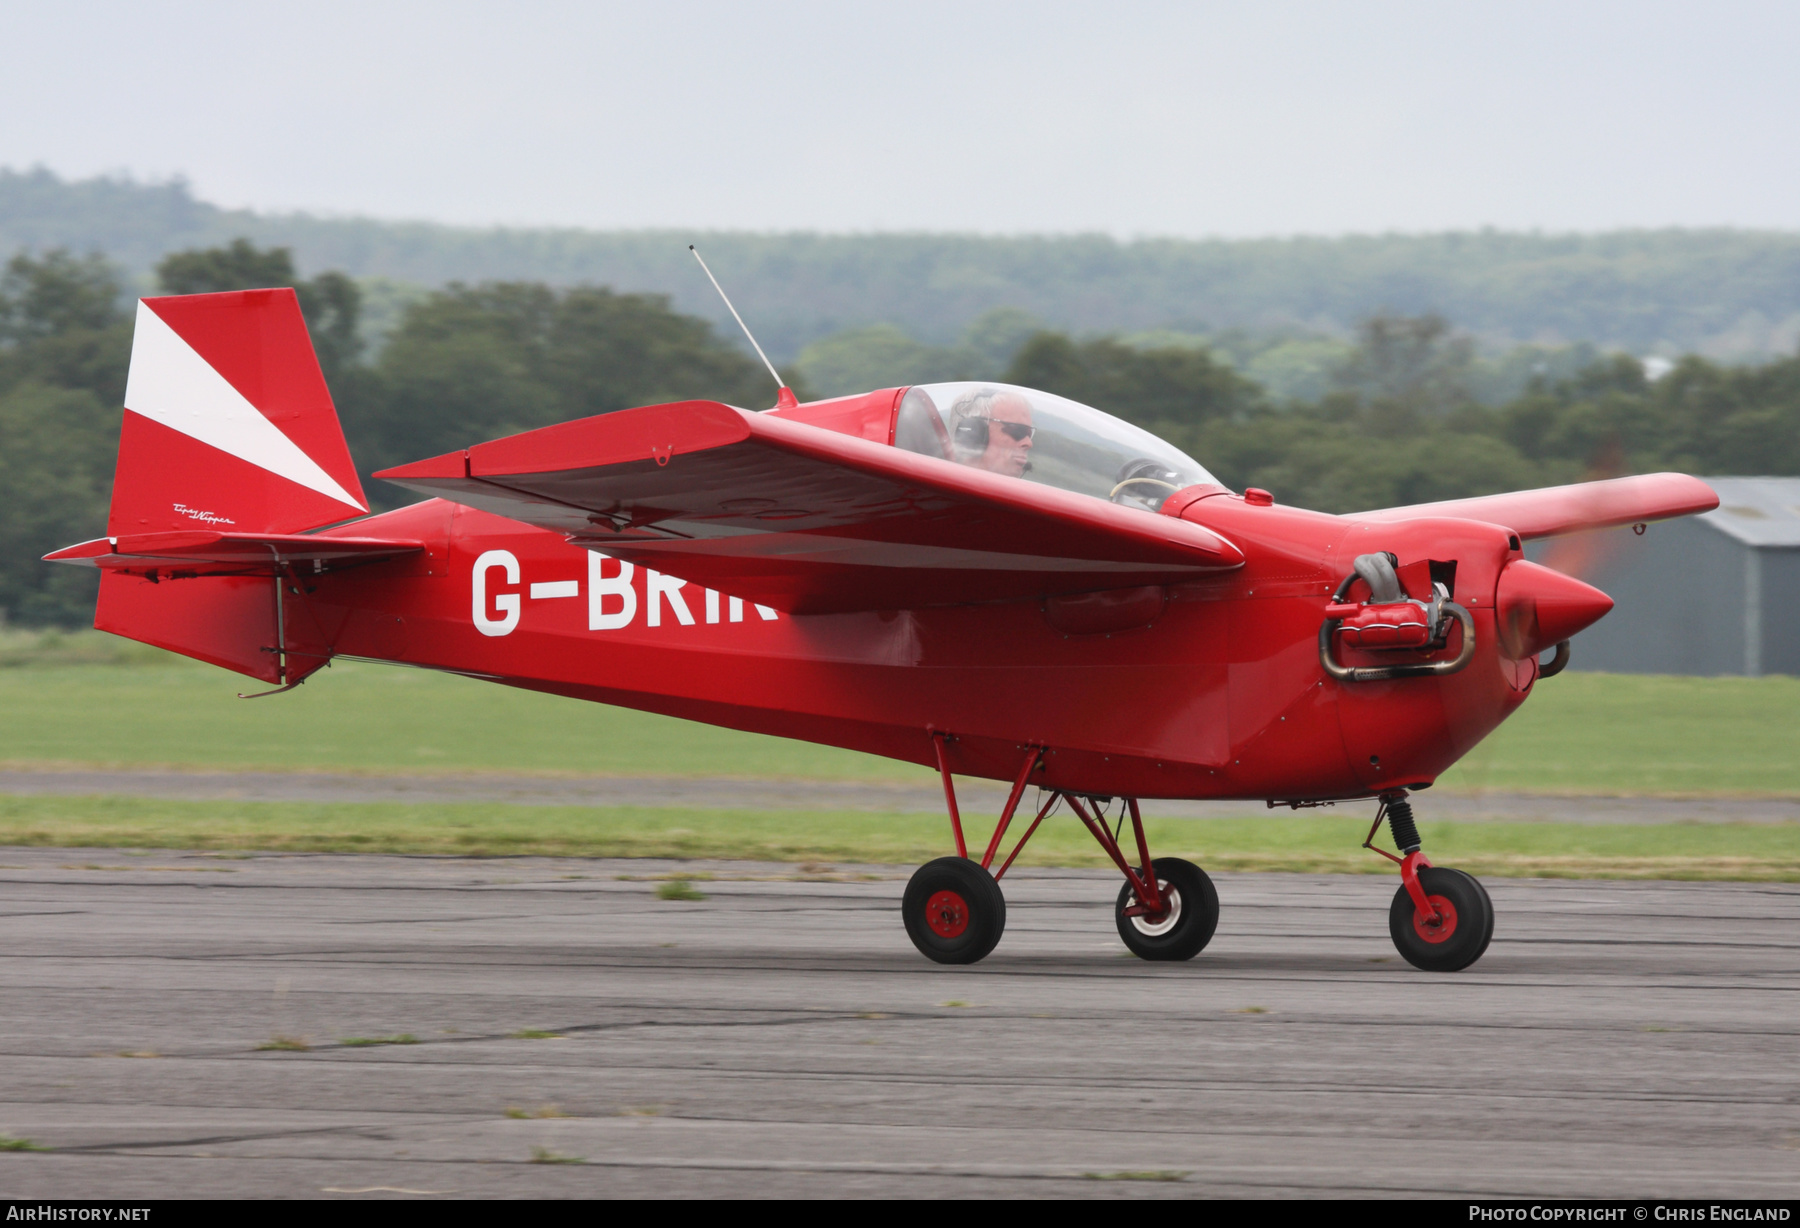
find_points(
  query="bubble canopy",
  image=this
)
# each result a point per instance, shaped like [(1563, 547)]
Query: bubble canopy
[(1019, 432)]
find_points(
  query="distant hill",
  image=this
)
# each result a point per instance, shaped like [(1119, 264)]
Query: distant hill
[(1725, 293)]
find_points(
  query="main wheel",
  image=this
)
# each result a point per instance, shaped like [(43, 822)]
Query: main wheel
[(954, 911), (1186, 927), (1463, 931)]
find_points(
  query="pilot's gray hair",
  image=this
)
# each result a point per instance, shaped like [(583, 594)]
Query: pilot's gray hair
[(977, 403)]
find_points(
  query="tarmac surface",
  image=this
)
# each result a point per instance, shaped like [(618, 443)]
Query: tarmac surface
[(737, 794), (576, 1035)]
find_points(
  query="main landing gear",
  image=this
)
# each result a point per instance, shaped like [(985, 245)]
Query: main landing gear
[(1441, 919), (955, 913)]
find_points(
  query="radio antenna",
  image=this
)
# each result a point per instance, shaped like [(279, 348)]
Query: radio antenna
[(785, 395)]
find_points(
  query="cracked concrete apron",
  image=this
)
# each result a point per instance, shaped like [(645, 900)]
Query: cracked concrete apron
[(181, 1025)]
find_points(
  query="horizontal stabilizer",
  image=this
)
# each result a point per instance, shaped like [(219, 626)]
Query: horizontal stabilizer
[(1556, 510), (809, 520), (203, 553)]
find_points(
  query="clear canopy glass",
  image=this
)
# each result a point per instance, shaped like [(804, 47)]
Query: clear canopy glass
[(1033, 435)]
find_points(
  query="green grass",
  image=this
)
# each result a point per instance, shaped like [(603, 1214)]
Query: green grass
[(1579, 733), (364, 1042), (26, 649), (369, 718), (1645, 735), (1306, 842)]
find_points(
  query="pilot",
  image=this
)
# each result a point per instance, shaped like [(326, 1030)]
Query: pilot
[(992, 430)]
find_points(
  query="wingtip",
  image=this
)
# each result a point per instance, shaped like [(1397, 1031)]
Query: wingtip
[(449, 465), (1707, 495), (81, 552)]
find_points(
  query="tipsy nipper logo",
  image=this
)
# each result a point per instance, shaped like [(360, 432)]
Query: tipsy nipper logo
[(194, 513)]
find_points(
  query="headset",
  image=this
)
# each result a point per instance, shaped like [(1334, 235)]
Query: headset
[(973, 433), (975, 424)]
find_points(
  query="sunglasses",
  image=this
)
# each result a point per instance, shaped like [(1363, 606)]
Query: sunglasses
[(1017, 431)]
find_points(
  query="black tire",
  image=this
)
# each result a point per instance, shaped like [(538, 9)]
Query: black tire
[(954, 911), (1488, 936), (1468, 934), (1193, 913)]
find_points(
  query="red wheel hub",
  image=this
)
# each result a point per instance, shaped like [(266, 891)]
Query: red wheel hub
[(1446, 923), (947, 913)]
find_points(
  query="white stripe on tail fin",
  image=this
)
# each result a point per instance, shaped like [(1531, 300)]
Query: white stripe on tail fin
[(170, 383)]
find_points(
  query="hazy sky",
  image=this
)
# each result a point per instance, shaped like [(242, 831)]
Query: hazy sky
[(1183, 119)]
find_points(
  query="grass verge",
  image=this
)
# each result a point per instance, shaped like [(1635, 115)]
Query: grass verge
[(1643, 735), (1301, 843), (1578, 733), (357, 717)]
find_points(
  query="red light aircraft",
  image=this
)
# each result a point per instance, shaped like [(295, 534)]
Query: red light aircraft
[(979, 578)]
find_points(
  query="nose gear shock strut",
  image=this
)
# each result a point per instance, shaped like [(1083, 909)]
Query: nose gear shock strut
[(1400, 823), (1398, 812)]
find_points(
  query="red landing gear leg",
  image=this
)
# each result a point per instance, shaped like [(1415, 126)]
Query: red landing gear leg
[(1441, 920), (1168, 908), (955, 913), (953, 908)]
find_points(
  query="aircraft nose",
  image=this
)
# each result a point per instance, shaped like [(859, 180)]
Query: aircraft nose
[(1539, 607)]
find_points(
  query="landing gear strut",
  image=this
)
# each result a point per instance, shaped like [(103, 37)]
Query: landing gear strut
[(1441, 920), (955, 913)]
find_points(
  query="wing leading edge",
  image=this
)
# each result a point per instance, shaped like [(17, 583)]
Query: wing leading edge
[(809, 520), (1555, 510)]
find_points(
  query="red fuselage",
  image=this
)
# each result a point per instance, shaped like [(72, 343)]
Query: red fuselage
[(1221, 694)]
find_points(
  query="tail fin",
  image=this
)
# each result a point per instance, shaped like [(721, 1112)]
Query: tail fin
[(228, 423), (229, 433)]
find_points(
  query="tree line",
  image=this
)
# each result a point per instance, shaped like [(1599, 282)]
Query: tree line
[(1719, 291), (1399, 421), (1400, 424)]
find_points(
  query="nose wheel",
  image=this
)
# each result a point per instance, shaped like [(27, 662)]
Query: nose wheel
[(1457, 930), (1441, 919)]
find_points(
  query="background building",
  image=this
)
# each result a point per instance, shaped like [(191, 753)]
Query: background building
[(1711, 594)]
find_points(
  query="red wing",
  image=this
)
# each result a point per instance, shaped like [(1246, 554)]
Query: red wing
[(1556, 510), (205, 553), (808, 520)]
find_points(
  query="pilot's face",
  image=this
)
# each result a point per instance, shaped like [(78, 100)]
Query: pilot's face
[(1005, 454)]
